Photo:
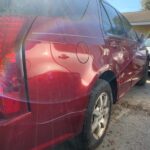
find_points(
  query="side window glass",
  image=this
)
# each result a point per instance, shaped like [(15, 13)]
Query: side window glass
[(115, 20), (128, 28), (106, 22), (126, 24)]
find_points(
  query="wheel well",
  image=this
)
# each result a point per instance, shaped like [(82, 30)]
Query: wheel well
[(110, 77)]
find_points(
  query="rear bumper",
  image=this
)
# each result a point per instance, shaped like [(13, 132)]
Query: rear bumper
[(17, 133)]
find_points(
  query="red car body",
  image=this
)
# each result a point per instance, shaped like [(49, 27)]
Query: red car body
[(48, 68)]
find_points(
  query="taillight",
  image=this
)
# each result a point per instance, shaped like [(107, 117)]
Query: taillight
[(12, 84)]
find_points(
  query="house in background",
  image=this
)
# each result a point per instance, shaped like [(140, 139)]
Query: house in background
[(140, 21)]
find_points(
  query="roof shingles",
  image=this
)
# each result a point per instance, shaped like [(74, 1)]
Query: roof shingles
[(138, 17)]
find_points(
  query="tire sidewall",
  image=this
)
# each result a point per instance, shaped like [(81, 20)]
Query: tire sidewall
[(90, 141)]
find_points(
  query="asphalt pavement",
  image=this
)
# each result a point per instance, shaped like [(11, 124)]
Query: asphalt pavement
[(129, 127)]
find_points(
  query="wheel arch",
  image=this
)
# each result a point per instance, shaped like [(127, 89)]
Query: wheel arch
[(110, 77)]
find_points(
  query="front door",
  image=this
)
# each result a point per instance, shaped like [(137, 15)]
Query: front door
[(116, 41)]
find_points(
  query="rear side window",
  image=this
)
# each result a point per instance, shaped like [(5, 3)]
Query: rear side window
[(115, 20), (106, 22), (57, 8)]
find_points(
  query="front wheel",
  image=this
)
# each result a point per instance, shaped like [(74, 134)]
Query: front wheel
[(98, 115)]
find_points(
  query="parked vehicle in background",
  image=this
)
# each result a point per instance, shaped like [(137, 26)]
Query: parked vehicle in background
[(147, 45), (63, 64)]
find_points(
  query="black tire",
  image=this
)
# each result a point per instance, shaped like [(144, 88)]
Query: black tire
[(88, 140), (143, 80)]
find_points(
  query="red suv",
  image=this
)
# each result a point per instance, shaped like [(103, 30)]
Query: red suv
[(62, 65)]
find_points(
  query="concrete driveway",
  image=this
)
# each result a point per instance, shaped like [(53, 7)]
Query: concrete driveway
[(129, 128)]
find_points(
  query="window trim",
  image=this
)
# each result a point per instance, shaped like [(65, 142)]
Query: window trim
[(101, 6), (123, 35), (115, 35)]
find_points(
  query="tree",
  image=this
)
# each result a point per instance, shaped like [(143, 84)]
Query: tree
[(146, 4)]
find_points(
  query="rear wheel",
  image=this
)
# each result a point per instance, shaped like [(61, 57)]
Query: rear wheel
[(98, 115), (145, 76)]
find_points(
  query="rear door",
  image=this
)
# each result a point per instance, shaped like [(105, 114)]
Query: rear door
[(115, 38)]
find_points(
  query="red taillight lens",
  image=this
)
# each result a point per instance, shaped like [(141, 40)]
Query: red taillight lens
[(12, 86), (9, 106)]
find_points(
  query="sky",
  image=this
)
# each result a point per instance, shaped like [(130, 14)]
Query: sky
[(126, 5)]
